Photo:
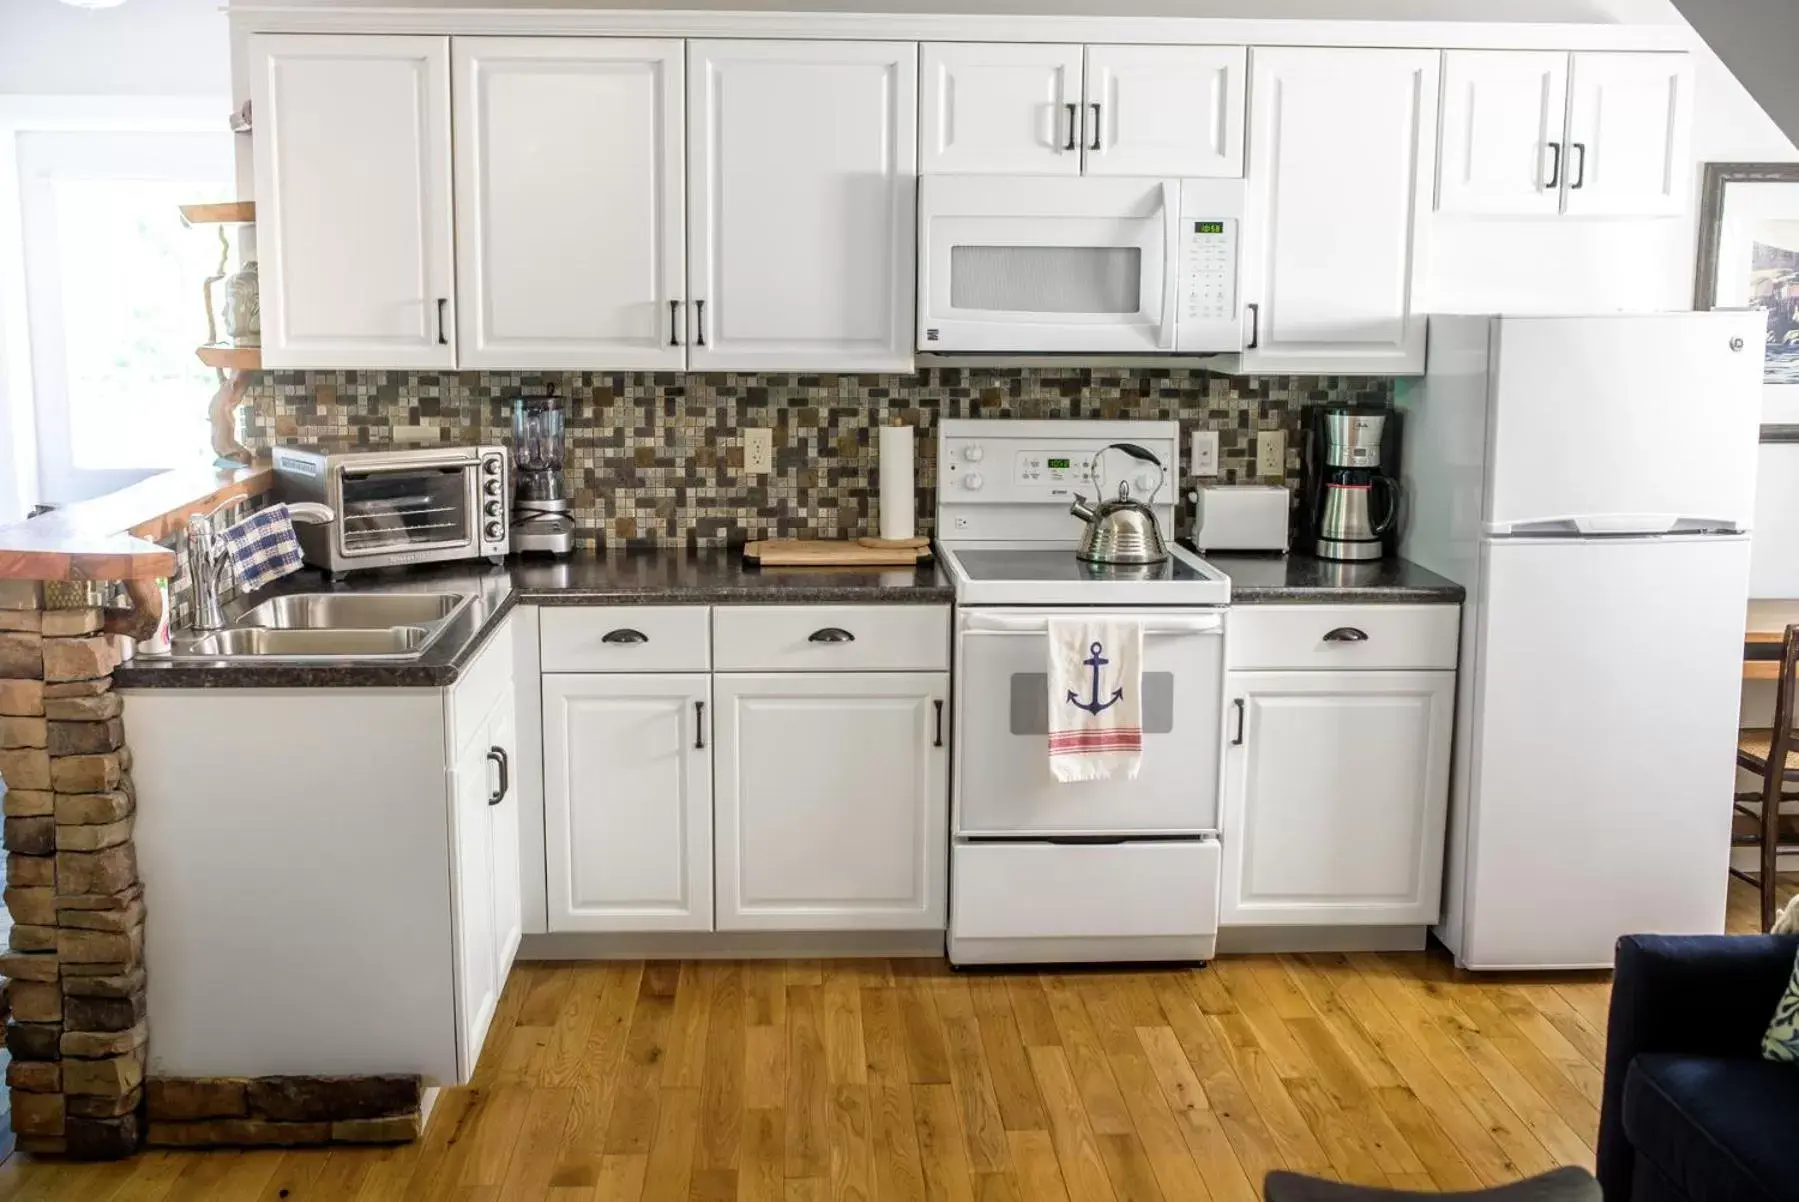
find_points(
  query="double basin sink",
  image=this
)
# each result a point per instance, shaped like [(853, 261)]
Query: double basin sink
[(314, 627)]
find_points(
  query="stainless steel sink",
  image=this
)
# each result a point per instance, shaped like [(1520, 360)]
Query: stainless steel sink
[(330, 627), (352, 611)]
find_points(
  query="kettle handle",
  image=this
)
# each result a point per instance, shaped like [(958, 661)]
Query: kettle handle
[(1140, 453), (1394, 495)]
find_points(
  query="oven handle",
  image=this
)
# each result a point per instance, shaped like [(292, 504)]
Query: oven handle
[(401, 467), (1003, 624)]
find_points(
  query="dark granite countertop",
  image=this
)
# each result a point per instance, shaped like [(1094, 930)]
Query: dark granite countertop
[(1289, 579), (643, 577)]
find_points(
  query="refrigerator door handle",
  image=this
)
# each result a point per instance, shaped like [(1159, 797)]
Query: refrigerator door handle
[(1592, 525)]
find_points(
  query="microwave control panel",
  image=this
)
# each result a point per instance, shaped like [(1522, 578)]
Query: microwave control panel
[(1208, 257)]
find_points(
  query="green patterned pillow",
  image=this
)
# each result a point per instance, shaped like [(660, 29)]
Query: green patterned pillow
[(1782, 1040)]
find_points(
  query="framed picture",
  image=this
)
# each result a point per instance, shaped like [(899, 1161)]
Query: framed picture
[(1749, 255)]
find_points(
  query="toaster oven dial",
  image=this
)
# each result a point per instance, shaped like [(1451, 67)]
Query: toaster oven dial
[(492, 487), (494, 531), (492, 509), (491, 466)]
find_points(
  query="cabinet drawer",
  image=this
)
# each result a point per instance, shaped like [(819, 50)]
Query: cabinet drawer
[(1084, 891), (832, 638), (1323, 637), (625, 638)]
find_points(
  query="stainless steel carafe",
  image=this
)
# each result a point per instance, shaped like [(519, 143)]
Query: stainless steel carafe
[(1347, 527)]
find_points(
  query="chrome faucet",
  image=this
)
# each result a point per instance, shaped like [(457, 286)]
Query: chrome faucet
[(209, 564)]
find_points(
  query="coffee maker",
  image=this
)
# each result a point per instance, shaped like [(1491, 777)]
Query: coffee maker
[(1350, 506), (540, 506)]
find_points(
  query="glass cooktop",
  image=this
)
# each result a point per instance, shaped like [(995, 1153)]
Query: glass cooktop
[(1061, 567)]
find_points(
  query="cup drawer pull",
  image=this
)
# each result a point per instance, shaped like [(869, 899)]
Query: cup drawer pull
[(624, 636), (1346, 634), (832, 634)]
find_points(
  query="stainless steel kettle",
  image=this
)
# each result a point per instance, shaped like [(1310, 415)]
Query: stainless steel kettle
[(1122, 531)]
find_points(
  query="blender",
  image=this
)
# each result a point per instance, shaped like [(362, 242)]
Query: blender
[(540, 508)]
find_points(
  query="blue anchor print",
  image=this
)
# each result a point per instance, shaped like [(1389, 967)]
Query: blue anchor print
[(1094, 705)]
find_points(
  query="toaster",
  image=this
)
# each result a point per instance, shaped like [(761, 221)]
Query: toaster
[(1241, 517)]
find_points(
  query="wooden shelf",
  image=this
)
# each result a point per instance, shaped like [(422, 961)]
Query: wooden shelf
[(234, 212), (230, 358)]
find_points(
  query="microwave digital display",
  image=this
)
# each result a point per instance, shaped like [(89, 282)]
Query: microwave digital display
[(1208, 227)]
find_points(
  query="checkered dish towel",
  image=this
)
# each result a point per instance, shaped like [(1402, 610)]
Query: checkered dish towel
[(263, 548), (1095, 699)]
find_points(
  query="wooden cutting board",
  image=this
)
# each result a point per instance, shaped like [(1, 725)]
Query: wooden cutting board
[(820, 552)]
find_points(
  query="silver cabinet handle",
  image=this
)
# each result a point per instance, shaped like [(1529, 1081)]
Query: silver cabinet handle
[(699, 726), (497, 755), (699, 321), (1555, 165), (624, 635), (674, 323), (1094, 145), (1237, 704), (832, 634), (1074, 121), (1346, 634), (442, 303)]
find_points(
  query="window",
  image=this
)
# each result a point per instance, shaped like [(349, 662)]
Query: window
[(113, 301)]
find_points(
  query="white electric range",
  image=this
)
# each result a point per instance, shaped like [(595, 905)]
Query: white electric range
[(1044, 871)]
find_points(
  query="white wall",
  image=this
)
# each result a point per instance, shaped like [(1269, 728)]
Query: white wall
[(141, 48)]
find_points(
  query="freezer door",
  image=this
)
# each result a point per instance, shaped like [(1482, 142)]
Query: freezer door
[(1605, 711), (1614, 425)]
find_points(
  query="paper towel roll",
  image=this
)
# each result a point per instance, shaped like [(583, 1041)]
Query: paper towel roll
[(898, 499)]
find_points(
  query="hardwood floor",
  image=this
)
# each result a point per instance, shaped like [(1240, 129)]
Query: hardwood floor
[(804, 1081)]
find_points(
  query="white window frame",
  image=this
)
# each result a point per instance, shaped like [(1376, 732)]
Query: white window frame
[(58, 114)]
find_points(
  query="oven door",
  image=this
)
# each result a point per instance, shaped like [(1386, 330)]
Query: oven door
[(1047, 264), (1003, 785), (407, 508)]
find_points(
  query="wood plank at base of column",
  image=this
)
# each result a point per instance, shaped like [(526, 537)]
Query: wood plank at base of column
[(115, 537)]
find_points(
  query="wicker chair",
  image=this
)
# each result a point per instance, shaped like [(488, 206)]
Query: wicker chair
[(1773, 755)]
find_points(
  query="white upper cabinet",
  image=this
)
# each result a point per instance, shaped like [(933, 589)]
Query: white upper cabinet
[(1543, 132), (1503, 150), (833, 805), (1630, 120), (1165, 110), (628, 802), (1340, 171), (352, 146), (570, 203), (989, 108), (802, 185)]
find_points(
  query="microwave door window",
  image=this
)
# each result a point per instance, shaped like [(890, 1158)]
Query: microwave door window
[(419, 510), (1096, 280)]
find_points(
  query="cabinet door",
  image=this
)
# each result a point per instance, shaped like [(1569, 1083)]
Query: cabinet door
[(570, 207), (1165, 110), (833, 801), (802, 179), (478, 972), (503, 832), (352, 148), (1335, 796), (1341, 163), (988, 108), (1630, 121), (628, 802), (1502, 146)]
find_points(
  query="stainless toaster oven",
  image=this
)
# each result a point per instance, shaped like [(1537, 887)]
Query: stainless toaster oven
[(399, 507)]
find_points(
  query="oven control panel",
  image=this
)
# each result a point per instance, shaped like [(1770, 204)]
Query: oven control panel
[(1003, 478)]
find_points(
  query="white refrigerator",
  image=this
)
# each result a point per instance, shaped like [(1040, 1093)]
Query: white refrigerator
[(1590, 482)]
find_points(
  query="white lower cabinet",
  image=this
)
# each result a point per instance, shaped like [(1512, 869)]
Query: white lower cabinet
[(628, 801), (1336, 789), (832, 800)]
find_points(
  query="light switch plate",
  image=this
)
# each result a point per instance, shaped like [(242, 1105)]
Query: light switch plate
[(758, 450), (1205, 453), (1271, 454)]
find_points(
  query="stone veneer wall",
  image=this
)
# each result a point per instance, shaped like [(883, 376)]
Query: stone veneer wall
[(657, 458), (78, 1032)]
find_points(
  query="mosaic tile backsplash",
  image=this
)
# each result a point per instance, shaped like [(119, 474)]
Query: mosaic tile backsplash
[(656, 459)]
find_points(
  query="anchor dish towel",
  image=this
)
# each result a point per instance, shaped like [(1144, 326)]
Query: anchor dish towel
[(263, 548), (1095, 699)]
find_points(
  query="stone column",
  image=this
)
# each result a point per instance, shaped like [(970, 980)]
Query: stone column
[(77, 1033)]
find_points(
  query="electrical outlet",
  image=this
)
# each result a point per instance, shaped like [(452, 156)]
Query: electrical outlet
[(1271, 454), (758, 450), (1205, 453)]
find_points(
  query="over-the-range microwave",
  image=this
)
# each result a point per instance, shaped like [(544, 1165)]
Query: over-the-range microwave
[(1079, 265)]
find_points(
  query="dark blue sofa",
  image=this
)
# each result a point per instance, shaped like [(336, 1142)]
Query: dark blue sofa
[(1691, 1110)]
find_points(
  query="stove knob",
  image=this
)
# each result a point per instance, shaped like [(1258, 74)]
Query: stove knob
[(491, 466), (491, 488), (492, 509), (1144, 482), (974, 454), (495, 531), (972, 481)]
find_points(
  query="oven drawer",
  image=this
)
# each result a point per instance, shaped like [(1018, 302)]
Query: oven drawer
[(831, 638), (1409, 637), (1052, 891), (625, 638)]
